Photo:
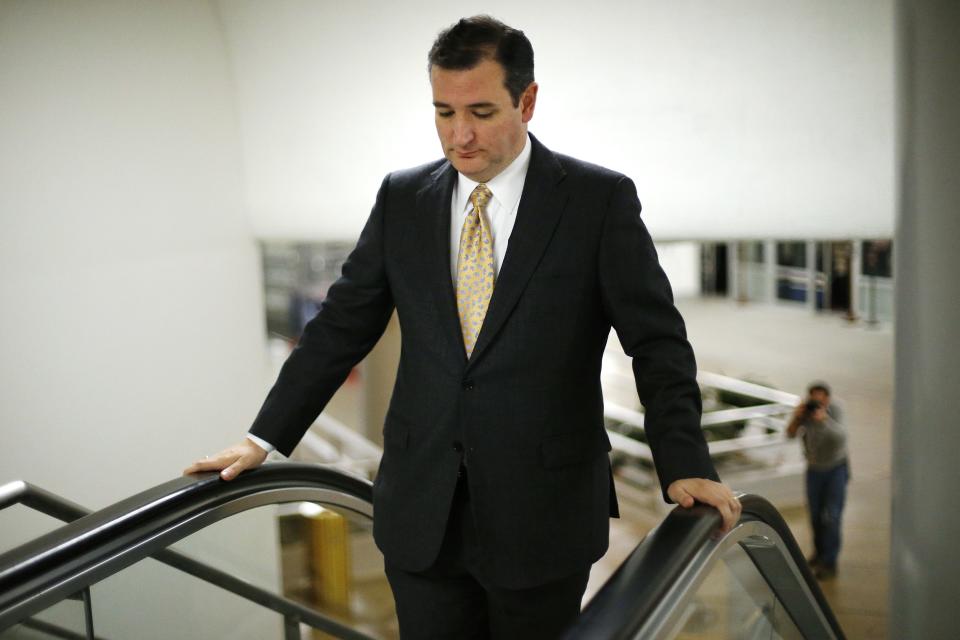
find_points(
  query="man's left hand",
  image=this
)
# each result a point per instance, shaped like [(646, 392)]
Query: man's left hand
[(689, 490)]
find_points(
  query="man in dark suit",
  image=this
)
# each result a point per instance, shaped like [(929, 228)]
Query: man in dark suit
[(507, 265)]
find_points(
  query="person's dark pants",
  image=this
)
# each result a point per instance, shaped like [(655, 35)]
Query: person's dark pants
[(452, 600), (826, 494)]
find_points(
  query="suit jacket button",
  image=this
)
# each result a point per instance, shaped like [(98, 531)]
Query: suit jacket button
[(468, 385), (458, 446)]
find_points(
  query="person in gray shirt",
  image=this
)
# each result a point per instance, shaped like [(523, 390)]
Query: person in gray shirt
[(819, 423)]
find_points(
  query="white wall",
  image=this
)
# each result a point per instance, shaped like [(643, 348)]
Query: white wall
[(736, 118), (131, 334), (681, 263)]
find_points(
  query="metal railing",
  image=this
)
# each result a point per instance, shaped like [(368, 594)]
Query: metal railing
[(748, 444), (772, 410), (329, 441), (648, 594), (645, 598), (93, 546)]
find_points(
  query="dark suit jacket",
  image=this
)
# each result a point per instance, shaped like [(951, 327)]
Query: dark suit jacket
[(525, 412)]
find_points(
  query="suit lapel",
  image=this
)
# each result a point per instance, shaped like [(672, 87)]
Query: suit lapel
[(433, 213), (541, 206)]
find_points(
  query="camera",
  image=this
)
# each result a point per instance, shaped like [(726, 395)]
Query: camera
[(811, 406)]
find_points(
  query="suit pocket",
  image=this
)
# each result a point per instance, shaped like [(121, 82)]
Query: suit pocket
[(573, 448)]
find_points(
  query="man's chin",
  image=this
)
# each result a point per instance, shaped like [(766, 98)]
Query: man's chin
[(473, 168)]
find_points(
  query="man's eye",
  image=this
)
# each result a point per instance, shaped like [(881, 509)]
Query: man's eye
[(483, 115), (444, 114)]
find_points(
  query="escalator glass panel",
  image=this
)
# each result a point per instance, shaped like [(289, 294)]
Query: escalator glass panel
[(65, 619), (734, 601), (320, 556)]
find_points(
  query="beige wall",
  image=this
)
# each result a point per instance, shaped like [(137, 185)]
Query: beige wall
[(131, 337)]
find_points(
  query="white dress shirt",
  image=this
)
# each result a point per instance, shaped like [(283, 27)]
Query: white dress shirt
[(501, 209), (501, 214)]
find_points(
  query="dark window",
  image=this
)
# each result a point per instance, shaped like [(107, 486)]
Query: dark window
[(878, 258), (751, 252), (791, 277), (792, 254), (713, 268)]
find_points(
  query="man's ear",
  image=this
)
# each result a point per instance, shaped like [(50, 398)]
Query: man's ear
[(528, 102)]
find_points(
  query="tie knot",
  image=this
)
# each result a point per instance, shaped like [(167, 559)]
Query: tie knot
[(480, 196)]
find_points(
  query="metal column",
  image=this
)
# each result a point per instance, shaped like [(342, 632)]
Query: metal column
[(770, 264), (856, 273), (925, 556), (733, 271)]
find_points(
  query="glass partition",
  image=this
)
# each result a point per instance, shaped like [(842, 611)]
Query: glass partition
[(735, 601), (320, 556), (65, 619), (331, 564)]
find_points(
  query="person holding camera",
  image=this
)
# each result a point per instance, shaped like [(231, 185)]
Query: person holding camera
[(818, 422)]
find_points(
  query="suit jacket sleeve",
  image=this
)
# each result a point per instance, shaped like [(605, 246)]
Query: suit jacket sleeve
[(351, 319), (638, 300)]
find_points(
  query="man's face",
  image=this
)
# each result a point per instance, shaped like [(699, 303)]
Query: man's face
[(480, 130), (820, 396)]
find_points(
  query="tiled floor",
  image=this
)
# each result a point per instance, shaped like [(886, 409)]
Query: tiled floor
[(786, 347)]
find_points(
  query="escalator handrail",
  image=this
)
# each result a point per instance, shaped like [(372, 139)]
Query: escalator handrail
[(95, 545), (632, 593), (758, 509), (621, 606), (641, 582)]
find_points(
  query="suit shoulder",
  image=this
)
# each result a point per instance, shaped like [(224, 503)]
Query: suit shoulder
[(576, 166), (414, 176), (599, 181), (582, 169)]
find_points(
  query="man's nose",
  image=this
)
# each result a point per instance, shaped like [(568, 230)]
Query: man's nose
[(462, 133)]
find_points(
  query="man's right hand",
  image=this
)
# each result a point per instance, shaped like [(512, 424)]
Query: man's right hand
[(798, 412), (231, 461), (801, 408)]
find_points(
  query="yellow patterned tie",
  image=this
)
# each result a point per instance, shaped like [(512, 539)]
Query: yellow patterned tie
[(475, 269)]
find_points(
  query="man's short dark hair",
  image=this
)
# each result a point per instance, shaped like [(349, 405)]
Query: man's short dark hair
[(471, 40), (818, 385)]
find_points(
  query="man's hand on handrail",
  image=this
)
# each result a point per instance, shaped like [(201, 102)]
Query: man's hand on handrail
[(687, 491), (231, 461)]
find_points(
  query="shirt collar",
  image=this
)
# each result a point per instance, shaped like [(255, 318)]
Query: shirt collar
[(506, 186)]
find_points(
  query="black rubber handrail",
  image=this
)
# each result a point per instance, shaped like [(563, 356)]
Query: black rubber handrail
[(758, 509), (640, 583), (48, 562), (94, 545)]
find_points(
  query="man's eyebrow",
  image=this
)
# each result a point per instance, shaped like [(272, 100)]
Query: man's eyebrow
[(474, 105)]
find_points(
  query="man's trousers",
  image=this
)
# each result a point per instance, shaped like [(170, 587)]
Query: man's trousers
[(451, 599), (826, 495)]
